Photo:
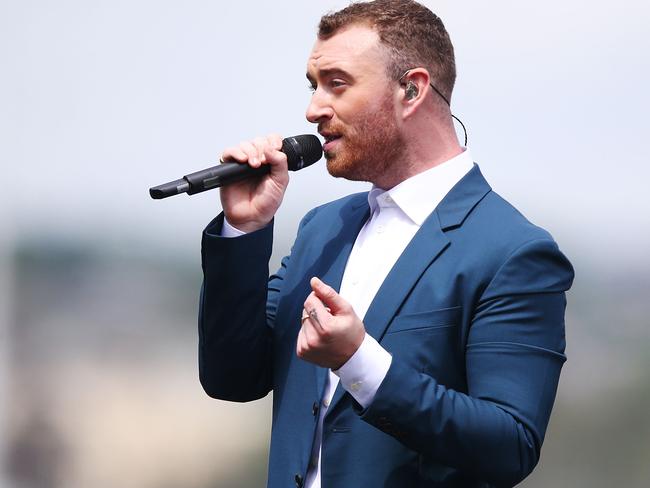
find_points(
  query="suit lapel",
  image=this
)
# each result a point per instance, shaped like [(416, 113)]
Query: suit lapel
[(428, 243), (425, 246)]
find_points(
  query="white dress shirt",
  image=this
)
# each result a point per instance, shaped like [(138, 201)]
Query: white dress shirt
[(395, 217)]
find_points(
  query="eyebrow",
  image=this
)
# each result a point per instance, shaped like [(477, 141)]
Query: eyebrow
[(325, 72)]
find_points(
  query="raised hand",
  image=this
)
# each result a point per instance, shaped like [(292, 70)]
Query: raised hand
[(250, 204), (331, 332)]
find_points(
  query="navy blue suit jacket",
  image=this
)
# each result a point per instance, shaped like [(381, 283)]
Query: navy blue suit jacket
[(472, 313)]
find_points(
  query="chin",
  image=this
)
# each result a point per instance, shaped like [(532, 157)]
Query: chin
[(335, 166), (344, 168)]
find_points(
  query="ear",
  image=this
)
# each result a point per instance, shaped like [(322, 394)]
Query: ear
[(414, 86)]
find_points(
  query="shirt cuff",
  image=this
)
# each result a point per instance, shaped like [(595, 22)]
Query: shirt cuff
[(229, 231), (362, 374)]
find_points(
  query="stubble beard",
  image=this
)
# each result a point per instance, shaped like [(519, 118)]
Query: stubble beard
[(370, 148)]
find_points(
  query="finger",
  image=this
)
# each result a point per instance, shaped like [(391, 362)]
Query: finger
[(261, 144), (277, 159), (318, 314), (328, 296), (301, 344), (233, 154), (273, 152), (304, 316), (309, 333), (315, 301), (275, 141), (251, 153), (264, 145)]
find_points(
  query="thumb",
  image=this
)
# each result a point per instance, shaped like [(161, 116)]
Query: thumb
[(328, 296)]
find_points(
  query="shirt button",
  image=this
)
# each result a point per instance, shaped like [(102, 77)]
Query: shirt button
[(326, 402), (356, 386)]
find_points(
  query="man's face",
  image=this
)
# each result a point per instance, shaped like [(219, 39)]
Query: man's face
[(354, 105)]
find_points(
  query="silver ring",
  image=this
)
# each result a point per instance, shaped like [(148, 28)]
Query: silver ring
[(314, 316)]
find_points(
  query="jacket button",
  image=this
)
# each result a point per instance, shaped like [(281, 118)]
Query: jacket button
[(298, 479), (314, 409)]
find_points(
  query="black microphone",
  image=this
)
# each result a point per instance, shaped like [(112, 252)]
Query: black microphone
[(301, 151)]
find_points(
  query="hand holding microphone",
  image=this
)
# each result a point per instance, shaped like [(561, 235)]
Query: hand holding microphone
[(254, 185), (301, 151), (251, 203)]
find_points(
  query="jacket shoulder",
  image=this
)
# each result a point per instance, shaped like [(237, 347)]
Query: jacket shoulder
[(501, 222), (335, 207)]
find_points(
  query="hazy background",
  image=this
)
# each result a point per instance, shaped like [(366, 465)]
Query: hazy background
[(99, 100)]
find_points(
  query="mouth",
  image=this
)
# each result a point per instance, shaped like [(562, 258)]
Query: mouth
[(331, 140)]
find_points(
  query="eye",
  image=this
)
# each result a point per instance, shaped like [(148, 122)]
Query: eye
[(337, 83)]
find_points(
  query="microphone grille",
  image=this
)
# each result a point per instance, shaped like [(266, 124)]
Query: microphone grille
[(302, 151)]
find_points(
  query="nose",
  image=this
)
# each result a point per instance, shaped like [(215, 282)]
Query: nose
[(318, 109)]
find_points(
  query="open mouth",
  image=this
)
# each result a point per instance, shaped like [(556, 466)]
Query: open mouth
[(331, 140)]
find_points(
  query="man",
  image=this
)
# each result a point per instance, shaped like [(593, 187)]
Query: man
[(415, 335)]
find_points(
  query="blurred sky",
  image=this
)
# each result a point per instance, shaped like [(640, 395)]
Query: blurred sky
[(102, 99)]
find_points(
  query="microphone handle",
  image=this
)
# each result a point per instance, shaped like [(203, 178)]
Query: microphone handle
[(301, 151), (206, 179), (222, 174)]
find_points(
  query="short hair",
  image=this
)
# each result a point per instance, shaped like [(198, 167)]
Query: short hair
[(413, 35)]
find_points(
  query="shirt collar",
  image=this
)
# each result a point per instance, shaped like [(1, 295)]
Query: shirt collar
[(419, 195)]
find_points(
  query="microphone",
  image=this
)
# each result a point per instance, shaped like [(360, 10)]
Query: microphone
[(301, 151)]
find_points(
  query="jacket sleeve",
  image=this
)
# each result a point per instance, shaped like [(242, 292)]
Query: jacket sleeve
[(513, 356), (237, 310), (234, 335)]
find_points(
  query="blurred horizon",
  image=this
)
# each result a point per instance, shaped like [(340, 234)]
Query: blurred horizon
[(100, 364)]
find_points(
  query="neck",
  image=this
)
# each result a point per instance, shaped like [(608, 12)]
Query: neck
[(430, 148)]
